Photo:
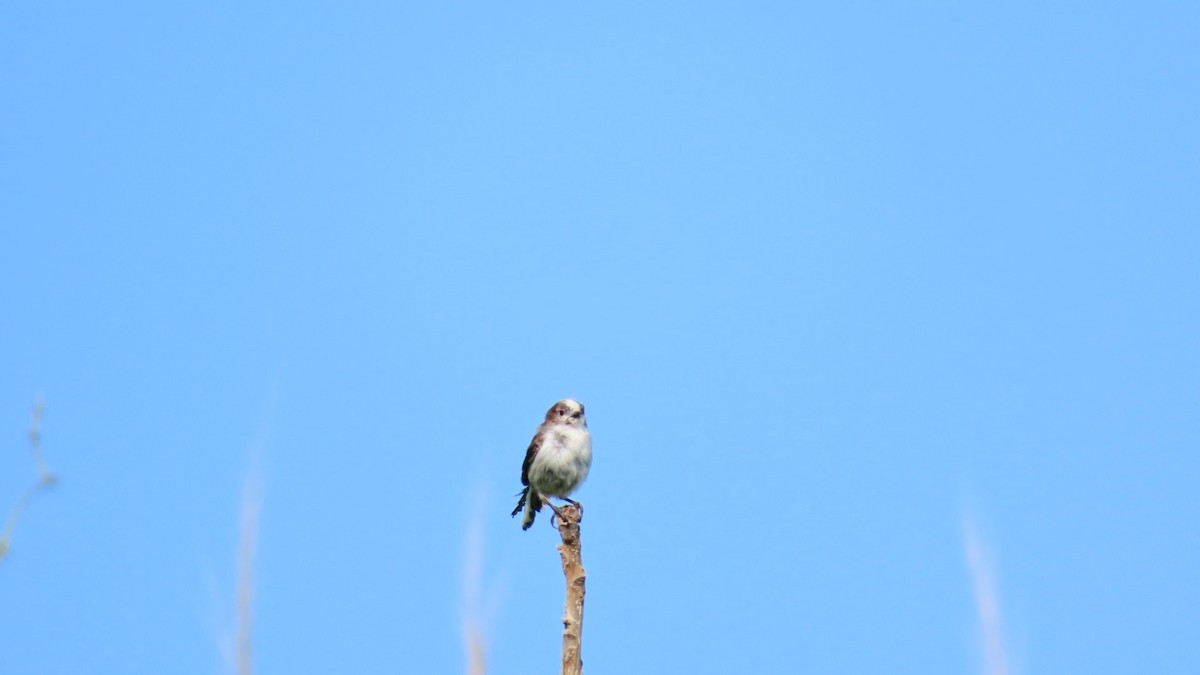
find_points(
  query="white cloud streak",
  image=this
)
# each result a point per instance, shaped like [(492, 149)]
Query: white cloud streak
[(987, 600)]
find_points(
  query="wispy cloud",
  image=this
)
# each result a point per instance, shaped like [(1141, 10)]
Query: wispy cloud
[(987, 599), (235, 643), (247, 549), (472, 586)]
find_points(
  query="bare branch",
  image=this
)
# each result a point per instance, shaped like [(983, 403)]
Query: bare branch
[(46, 476), (576, 576), (46, 479)]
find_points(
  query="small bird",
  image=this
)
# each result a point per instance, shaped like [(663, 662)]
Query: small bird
[(557, 460)]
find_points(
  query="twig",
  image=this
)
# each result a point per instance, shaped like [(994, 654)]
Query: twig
[(576, 576), (46, 479), (14, 515), (46, 476)]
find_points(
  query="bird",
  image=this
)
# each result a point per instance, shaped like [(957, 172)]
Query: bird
[(557, 460)]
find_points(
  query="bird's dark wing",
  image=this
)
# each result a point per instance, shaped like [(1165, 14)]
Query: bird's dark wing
[(535, 503), (534, 446), (523, 494)]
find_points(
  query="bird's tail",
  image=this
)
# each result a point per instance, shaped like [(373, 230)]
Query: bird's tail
[(532, 503)]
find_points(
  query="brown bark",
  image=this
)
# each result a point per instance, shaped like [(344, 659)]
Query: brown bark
[(572, 562)]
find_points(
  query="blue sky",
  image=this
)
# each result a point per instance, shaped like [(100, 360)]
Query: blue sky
[(833, 282)]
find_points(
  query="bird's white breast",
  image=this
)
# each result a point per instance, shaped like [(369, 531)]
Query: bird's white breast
[(562, 462)]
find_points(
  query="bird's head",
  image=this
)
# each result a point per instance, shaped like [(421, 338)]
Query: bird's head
[(567, 411)]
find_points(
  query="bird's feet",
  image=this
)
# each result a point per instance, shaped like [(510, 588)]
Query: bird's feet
[(577, 505), (559, 516)]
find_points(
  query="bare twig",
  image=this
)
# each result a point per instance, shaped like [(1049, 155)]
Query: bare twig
[(576, 576), (45, 475), (14, 515), (46, 479)]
